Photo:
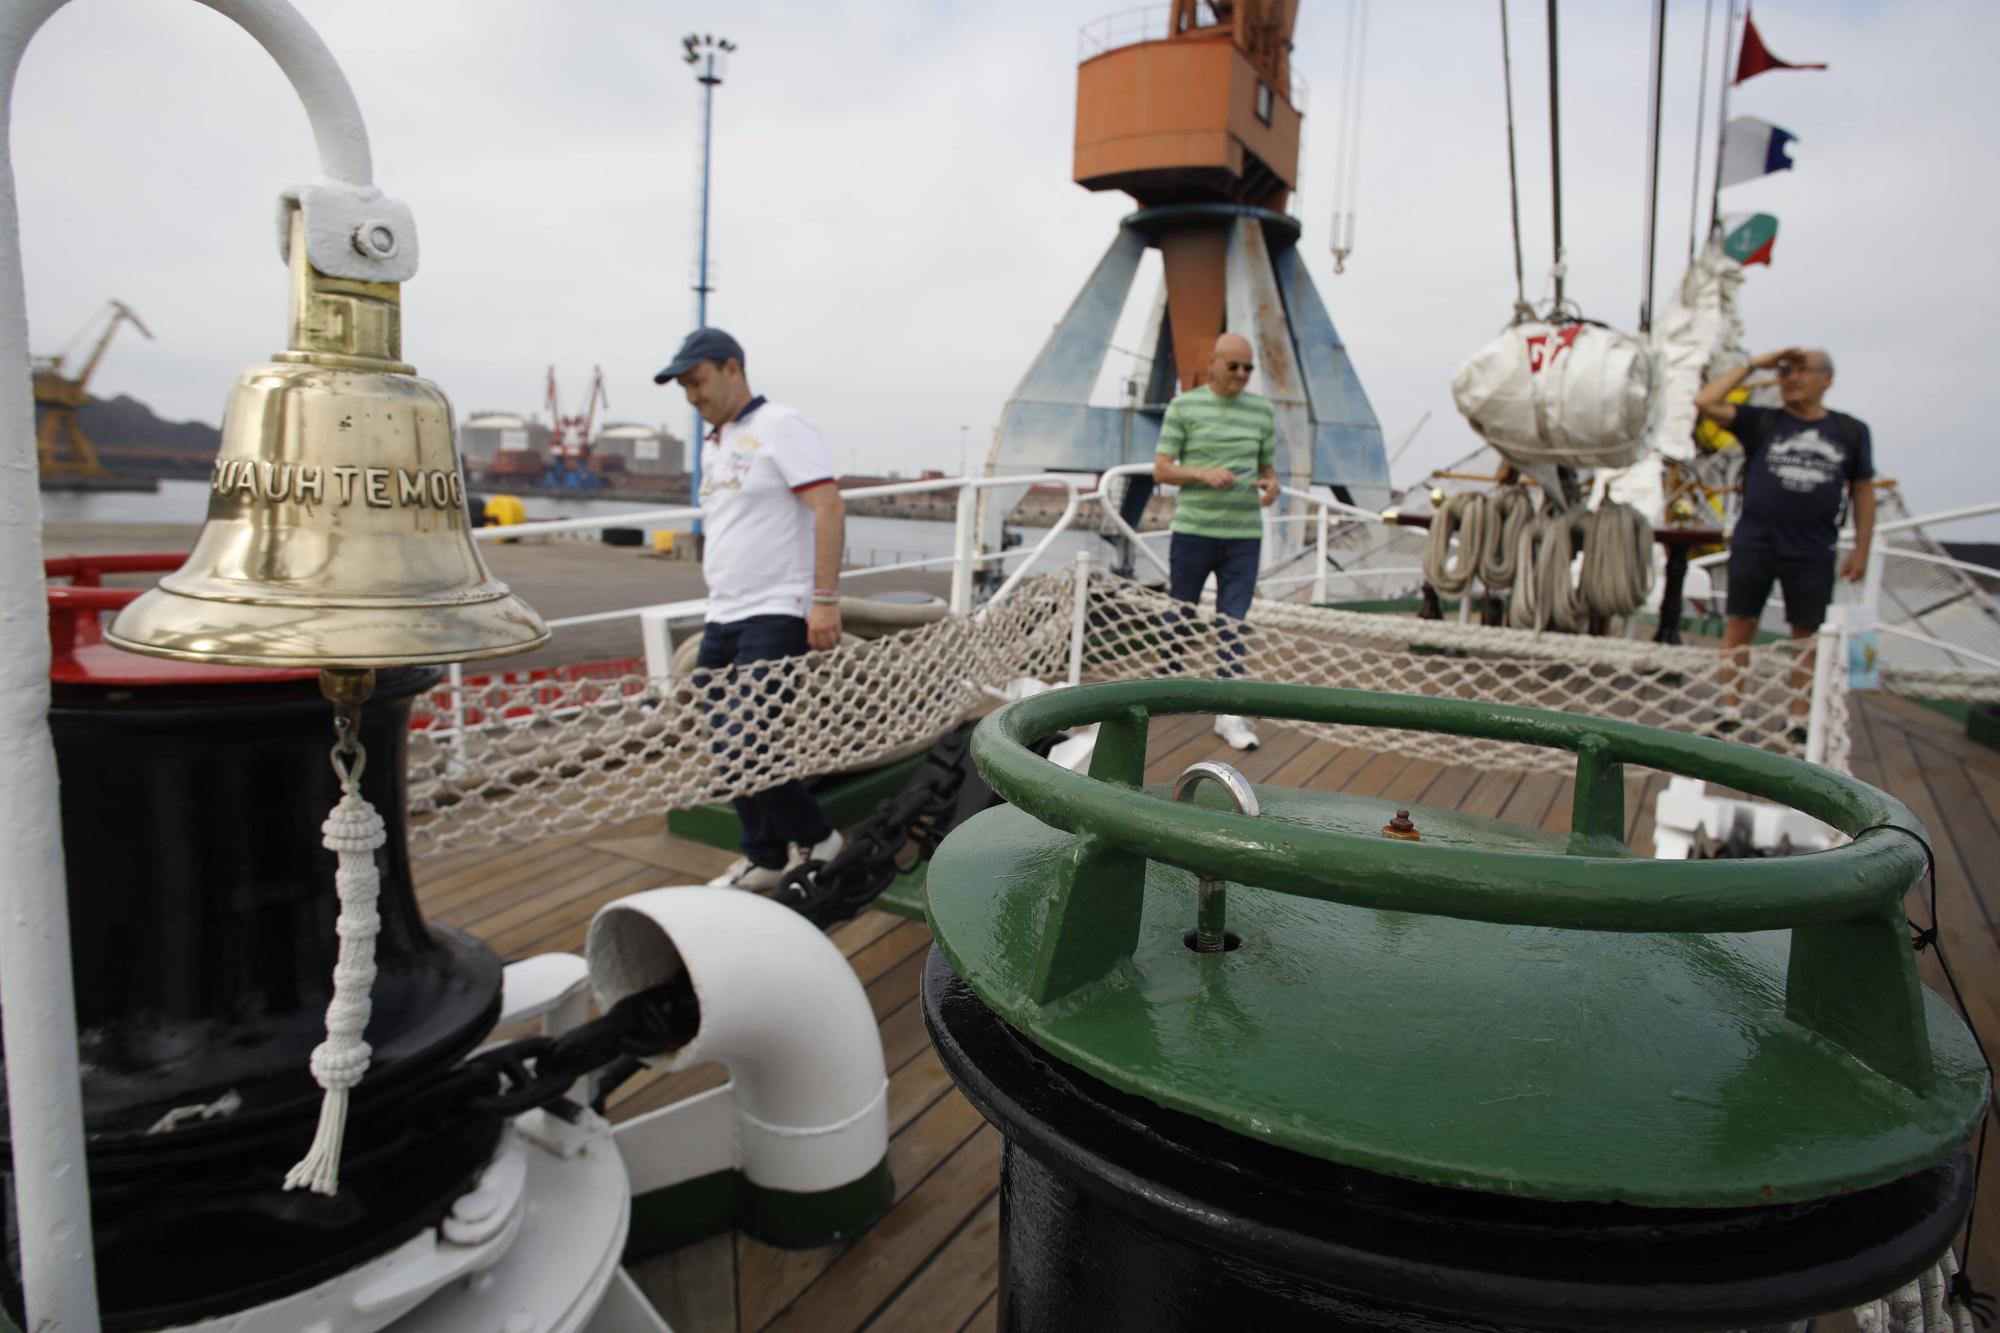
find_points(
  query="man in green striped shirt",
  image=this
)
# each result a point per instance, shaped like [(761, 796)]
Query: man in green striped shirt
[(1219, 445)]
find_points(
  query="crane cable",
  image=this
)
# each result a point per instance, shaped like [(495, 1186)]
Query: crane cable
[(1347, 146)]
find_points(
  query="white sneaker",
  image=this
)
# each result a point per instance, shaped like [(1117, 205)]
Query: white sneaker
[(743, 873), (824, 850), (1236, 731)]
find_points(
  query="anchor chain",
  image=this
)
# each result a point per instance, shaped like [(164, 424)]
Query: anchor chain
[(902, 834), (542, 1072)]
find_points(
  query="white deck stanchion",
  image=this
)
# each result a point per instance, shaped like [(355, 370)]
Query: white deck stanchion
[(1079, 617), (1829, 655)]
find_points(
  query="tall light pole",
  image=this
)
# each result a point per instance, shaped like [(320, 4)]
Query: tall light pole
[(709, 57), (963, 433)]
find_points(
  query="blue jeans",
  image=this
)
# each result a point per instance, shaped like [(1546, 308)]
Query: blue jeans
[(778, 816), (1233, 561)]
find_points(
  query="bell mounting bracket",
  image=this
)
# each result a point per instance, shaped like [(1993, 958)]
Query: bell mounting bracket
[(352, 231)]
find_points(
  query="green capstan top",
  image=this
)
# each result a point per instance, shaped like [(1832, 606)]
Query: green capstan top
[(1487, 1006)]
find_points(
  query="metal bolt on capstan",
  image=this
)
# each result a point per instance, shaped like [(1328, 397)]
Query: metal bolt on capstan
[(1210, 899), (1401, 827)]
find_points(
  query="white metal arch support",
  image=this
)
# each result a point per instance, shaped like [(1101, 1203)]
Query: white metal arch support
[(37, 1001)]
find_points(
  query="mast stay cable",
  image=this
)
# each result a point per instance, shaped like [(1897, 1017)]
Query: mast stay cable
[(1655, 93), (1347, 150), (1722, 120), (1522, 310), (1555, 161), (1700, 111)]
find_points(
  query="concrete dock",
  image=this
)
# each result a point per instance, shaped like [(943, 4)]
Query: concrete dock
[(559, 577)]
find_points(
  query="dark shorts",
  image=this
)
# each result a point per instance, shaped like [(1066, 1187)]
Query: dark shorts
[(1806, 581)]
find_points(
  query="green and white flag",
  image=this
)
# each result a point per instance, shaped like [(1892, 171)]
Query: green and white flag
[(1747, 238)]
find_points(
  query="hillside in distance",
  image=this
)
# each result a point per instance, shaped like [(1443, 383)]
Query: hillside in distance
[(131, 438)]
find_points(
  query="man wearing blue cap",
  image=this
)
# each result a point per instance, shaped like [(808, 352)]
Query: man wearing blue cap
[(774, 525)]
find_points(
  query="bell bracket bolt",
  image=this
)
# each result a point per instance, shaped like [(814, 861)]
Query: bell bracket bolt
[(375, 240), (1401, 827)]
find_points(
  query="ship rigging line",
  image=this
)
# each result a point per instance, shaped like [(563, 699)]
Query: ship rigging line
[(1722, 118), (1522, 310), (1654, 93), (1347, 144), (1700, 111), (1555, 160)]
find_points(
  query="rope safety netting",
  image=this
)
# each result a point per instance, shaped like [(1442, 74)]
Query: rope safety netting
[(1136, 632), (523, 760)]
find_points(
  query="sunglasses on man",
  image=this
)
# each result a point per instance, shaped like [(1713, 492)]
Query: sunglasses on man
[(1233, 366)]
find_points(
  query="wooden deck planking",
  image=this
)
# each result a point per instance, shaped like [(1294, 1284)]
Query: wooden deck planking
[(987, 1320), (957, 1283), (1963, 818), (933, 1261), (1447, 789), (1915, 755), (694, 1288)]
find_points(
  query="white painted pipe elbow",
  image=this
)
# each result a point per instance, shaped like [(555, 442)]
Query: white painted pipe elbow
[(780, 1007)]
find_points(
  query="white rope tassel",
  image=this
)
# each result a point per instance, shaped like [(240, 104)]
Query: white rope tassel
[(353, 832)]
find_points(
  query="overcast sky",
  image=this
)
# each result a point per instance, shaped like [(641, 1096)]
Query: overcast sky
[(896, 230)]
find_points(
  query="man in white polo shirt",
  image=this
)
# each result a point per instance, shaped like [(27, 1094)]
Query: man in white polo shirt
[(774, 526)]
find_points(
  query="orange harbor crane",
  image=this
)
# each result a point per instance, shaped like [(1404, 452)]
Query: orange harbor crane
[(65, 449)]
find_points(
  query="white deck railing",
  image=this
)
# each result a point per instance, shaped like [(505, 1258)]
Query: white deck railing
[(1105, 490)]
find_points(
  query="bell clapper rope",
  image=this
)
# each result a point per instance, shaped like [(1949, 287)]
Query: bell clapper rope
[(353, 831)]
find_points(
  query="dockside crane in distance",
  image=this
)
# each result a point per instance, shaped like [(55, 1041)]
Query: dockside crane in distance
[(65, 449), (570, 438)]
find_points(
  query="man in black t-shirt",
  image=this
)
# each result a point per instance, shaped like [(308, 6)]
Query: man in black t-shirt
[(1801, 465)]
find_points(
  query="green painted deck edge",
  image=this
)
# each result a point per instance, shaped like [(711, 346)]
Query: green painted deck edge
[(1982, 727), (844, 798), (806, 1221), (666, 1219), (905, 898)]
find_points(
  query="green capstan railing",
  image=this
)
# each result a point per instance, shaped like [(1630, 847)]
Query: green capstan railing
[(1851, 976)]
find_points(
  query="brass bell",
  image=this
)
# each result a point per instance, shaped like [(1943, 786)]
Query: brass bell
[(337, 534)]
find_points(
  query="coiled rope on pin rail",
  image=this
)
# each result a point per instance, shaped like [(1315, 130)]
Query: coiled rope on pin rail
[(1544, 596), (1464, 516), (1617, 574), (1512, 509)]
